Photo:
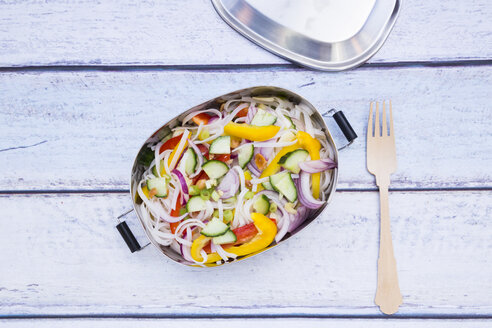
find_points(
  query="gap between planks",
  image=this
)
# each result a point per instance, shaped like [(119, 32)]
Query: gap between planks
[(124, 191), (235, 67), (395, 316), (249, 322)]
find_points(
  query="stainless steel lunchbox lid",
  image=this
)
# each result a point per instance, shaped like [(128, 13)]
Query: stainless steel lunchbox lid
[(324, 35), (139, 165)]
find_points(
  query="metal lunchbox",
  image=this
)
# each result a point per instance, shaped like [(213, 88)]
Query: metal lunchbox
[(318, 118)]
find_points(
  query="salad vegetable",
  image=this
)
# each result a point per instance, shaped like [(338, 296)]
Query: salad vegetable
[(264, 237), (251, 132), (229, 182)]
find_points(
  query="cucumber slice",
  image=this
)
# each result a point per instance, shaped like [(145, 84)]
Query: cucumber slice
[(262, 205), (292, 125), (190, 160), (161, 166), (263, 118), (227, 238), (215, 228), (245, 155), (291, 160), (221, 145), (267, 185), (282, 183), (215, 169), (196, 204), (160, 184)]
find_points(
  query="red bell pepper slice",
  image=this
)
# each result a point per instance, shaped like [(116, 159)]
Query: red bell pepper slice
[(223, 157), (243, 112), (175, 213), (201, 118), (245, 233), (200, 176), (208, 247), (174, 226), (170, 144), (204, 150)]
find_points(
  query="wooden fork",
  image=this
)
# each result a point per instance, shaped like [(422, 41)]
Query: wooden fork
[(381, 162)]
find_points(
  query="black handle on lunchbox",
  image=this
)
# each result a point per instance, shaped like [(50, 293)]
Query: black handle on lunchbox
[(127, 234), (343, 124), (128, 237)]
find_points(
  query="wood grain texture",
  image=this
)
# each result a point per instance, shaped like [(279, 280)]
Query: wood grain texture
[(62, 255), (81, 130), (191, 33), (245, 323)]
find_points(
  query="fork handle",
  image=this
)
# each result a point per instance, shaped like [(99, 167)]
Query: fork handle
[(388, 295)]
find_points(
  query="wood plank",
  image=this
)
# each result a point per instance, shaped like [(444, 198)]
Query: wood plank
[(246, 323), (191, 33), (62, 255), (83, 129)]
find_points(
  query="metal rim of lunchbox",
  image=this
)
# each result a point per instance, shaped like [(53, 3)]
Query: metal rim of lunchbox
[(337, 115)]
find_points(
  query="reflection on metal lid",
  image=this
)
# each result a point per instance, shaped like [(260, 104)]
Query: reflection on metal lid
[(318, 19), (329, 35)]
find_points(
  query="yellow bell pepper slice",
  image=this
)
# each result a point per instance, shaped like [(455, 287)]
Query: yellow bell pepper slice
[(267, 230), (145, 191), (198, 245), (251, 132), (178, 150), (247, 175), (313, 146), (304, 140), (273, 167)]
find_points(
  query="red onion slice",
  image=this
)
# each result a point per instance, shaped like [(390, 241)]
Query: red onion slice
[(212, 119), (182, 181), (266, 152), (317, 166), (301, 215), (252, 165), (251, 113), (229, 185), (253, 169), (304, 192)]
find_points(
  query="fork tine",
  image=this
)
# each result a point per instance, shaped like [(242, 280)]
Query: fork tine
[(384, 133), (391, 131), (369, 125), (376, 121)]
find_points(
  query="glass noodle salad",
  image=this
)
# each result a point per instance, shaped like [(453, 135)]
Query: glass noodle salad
[(231, 181)]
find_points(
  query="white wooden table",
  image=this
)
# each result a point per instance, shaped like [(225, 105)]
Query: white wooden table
[(83, 84)]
